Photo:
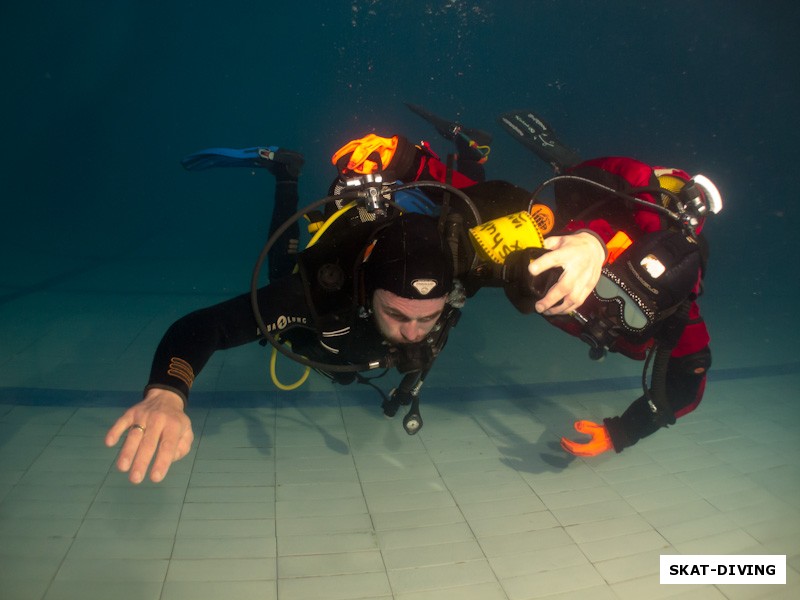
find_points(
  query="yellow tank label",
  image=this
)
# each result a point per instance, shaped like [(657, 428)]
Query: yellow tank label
[(496, 239)]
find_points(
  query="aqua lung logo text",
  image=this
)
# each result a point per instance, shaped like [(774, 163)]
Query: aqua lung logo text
[(283, 322)]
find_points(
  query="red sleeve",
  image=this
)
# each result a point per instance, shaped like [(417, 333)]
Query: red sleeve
[(431, 167)]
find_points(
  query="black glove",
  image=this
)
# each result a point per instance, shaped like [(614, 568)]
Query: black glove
[(522, 288)]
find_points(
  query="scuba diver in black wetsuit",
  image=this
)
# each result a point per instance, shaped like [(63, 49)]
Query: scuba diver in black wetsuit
[(374, 289)]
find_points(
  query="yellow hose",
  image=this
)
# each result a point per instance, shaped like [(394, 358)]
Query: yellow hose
[(329, 222), (273, 361)]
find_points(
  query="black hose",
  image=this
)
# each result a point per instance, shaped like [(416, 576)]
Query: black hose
[(627, 196), (333, 368), (385, 363), (667, 340)]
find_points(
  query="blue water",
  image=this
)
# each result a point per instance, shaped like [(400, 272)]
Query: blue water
[(102, 99)]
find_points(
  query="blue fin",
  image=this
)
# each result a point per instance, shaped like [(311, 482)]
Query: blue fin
[(212, 158)]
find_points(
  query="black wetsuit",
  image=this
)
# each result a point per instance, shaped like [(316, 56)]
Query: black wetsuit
[(191, 340), (188, 344)]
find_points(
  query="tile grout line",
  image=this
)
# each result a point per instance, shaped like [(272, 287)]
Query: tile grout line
[(463, 516), (363, 494), (183, 504), (86, 512), (275, 402)]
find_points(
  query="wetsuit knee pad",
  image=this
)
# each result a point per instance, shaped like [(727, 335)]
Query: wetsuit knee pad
[(696, 363), (686, 376)]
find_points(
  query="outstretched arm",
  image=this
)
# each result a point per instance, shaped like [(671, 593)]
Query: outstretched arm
[(157, 430)]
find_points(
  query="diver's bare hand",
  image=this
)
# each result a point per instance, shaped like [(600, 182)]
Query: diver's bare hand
[(156, 426), (581, 255)]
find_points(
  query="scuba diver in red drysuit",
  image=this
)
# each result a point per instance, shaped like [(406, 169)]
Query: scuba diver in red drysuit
[(650, 221), (631, 290)]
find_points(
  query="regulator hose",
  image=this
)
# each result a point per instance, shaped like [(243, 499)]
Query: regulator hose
[(385, 363), (668, 338)]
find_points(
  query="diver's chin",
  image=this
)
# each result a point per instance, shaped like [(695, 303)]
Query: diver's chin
[(399, 343), (407, 344)]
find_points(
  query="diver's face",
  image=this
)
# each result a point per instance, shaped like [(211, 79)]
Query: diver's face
[(403, 320)]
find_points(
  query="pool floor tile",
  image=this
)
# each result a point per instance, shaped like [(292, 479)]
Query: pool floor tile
[(318, 497)]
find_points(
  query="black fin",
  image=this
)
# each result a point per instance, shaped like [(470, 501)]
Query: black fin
[(534, 133)]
